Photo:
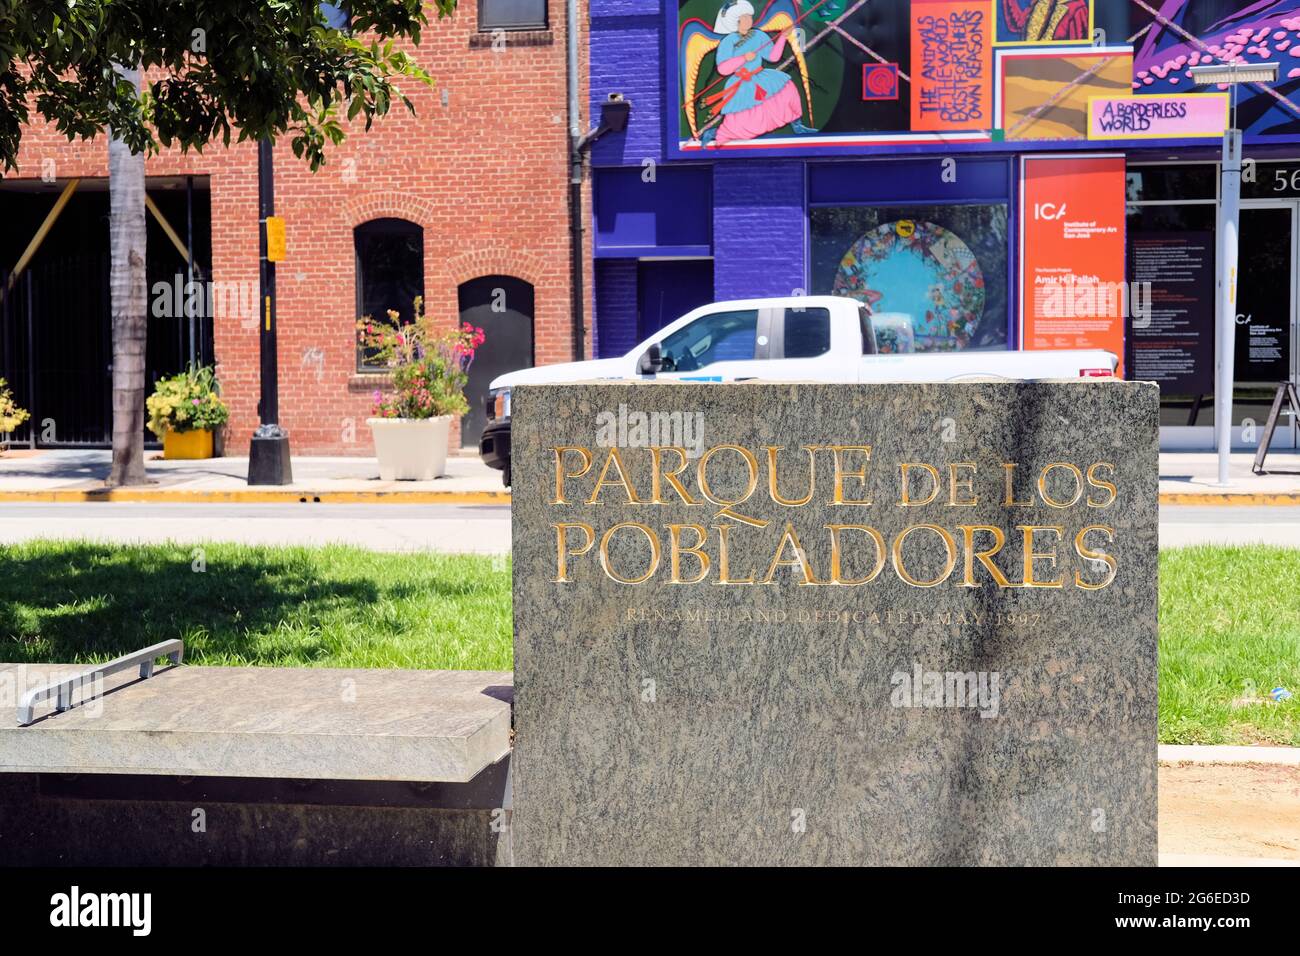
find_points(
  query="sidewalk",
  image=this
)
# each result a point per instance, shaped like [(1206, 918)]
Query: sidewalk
[(58, 475), (1188, 477), (55, 475)]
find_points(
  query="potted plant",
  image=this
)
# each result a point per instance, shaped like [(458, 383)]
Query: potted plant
[(11, 416), (428, 368), (184, 411)]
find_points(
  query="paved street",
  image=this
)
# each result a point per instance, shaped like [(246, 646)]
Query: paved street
[(1205, 524), (481, 529), (70, 475)]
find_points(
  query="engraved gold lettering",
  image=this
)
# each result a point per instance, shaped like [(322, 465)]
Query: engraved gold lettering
[(661, 474), (800, 559), (949, 544), (561, 474), (1089, 554), (772, 451), (702, 479), (724, 558), (1028, 531), (984, 557), (1096, 482), (1009, 476), (841, 473), (966, 484), (562, 551), (615, 459), (905, 495), (1078, 485), (882, 550), (654, 552), (676, 551)]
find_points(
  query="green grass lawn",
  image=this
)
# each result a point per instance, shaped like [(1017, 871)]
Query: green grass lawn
[(286, 607), (1229, 618), (1229, 632)]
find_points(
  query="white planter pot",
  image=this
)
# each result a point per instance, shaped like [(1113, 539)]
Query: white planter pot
[(411, 449)]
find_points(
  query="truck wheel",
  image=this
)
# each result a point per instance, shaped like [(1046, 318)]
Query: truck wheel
[(505, 476)]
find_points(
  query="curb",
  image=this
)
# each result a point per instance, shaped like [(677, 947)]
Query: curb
[(1219, 499), (309, 496), (1203, 859), (305, 496), (1222, 754)]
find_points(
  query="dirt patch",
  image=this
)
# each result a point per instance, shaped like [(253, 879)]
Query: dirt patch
[(1230, 810)]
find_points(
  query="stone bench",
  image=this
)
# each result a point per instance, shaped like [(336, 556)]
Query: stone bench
[(423, 755)]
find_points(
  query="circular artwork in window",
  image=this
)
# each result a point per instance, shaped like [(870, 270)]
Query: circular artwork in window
[(922, 283)]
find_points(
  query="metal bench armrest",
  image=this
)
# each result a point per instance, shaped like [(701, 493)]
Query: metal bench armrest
[(173, 650)]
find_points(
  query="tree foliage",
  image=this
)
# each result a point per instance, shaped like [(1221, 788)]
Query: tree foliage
[(214, 69)]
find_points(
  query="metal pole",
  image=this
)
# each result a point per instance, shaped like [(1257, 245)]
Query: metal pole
[(189, 263), (577, 248), (31, 367), (269, 407), (268, 452), (1229, 222)]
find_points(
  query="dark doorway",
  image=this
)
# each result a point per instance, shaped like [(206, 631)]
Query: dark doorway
[(56, 343), (668, 289), (502, 306)]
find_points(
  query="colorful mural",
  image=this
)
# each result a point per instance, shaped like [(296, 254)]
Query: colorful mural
[(953, 66), (812, 75), (747, 98), (1043, 21), (934, 277), (1044, 94), (1172, 36)]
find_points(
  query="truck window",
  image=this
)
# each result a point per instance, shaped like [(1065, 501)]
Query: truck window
[(806, 333), (716, 337), (868, 333)]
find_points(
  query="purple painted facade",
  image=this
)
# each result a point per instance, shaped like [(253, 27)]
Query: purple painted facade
[(766, 217)]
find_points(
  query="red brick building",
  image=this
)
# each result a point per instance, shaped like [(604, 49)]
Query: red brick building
[(471, 193)]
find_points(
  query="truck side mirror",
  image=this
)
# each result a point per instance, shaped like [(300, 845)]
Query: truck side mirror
[(652, 361)]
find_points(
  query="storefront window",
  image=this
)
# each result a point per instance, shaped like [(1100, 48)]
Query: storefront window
[(1270, 181), (1169, 337), (1173, 183), (934, 277)]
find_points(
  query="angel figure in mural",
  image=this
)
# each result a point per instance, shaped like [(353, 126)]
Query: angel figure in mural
[(1047, 21), (754, 99)]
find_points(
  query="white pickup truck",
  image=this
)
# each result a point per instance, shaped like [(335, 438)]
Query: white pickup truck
[(796, 338)]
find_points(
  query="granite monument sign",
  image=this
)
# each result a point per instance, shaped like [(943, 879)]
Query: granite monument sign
[(847, 624)]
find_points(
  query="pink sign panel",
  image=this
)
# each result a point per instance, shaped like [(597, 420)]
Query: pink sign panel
[(1157, 117)]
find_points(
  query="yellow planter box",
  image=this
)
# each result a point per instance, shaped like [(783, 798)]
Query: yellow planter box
[(187, 445)]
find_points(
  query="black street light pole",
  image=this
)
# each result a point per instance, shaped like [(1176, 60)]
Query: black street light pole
[(268, 454)]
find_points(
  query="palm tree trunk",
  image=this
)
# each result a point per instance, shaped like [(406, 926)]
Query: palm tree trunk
[(129, 288)]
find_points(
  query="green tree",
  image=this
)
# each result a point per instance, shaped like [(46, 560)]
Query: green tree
[(213, 69)]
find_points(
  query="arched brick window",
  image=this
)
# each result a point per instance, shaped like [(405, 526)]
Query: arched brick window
[(390, 270)]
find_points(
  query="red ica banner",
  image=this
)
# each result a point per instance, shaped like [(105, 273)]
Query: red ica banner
[(1073, 293), (951, 65)]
